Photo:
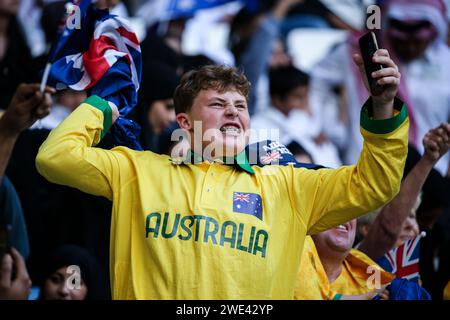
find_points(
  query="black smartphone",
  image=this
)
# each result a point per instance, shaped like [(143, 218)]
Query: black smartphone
[(368, 44)]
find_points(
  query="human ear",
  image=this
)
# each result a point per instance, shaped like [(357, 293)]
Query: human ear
[(184, 121)]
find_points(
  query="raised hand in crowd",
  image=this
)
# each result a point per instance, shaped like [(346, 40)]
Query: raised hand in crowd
[(26, 107), (391, 224), (15, 282), (436, 143)]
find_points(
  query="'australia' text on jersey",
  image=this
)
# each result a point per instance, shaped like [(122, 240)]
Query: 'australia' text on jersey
[(208, 230)]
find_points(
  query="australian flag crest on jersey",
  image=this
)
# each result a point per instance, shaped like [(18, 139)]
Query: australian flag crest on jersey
[(269, 152), (248, 203)]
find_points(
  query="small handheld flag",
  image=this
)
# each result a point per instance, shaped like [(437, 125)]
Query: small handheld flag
[(403, 261)]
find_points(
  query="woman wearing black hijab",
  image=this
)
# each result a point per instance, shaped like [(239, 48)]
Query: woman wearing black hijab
[(61, 272)]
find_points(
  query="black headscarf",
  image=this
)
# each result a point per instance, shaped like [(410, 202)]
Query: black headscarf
[(67, 255)]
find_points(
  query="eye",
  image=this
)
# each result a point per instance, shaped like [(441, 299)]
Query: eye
[(56, 278), (216, 105), (241, 106)]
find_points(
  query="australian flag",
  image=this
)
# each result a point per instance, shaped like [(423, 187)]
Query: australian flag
[(100, 53), (248, 203), (403, 261)]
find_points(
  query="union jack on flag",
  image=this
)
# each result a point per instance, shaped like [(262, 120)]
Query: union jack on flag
[(403, 261), (241, 197), (271, 157), (103, 56), (248, 203)]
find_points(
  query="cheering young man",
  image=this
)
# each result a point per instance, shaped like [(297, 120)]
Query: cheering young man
[(208, 227)]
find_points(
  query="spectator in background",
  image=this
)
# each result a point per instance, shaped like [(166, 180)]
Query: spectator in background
[(416, 31), (347, 15), (253, 38), (27, 105), (29, 16), (293, 117), (30, 105), (330, 268), (16, 64), (446, 295), (155, 111), (60, 283), (116, 7), (65, 102), (396, 223)]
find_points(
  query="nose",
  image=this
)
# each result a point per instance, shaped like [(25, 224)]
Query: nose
[(231, 111), (63, 291), (415, 227), (412, 226)]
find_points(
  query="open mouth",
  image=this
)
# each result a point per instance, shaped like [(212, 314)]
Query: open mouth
[(231, 129), (343, 227)]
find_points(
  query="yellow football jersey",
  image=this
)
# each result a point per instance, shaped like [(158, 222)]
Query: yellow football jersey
[(312, 282), (210, 230)]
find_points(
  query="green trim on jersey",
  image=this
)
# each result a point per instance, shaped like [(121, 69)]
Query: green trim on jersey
[(105, 108), (240, 159), (386, 125)]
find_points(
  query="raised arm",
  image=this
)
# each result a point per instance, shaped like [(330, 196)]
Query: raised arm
[(27, 105), (68, 157), (329, 197), (387, 227)]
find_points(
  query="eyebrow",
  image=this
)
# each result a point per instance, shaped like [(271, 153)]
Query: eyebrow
[(224, 101), (217, 99)]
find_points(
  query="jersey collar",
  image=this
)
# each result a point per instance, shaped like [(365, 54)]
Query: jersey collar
[(240, 160)]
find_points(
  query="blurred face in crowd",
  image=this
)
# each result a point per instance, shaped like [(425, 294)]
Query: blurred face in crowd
[(338, 240), (279, 57), (224, 120), (295, 99), (71, 99), (410, 229), (55, 287), (103, 4), (161, 114), (9, 7), (410, 39)]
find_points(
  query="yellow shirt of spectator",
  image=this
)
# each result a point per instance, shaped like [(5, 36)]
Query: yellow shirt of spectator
[(312, 282), (446, 295), (210, 230)]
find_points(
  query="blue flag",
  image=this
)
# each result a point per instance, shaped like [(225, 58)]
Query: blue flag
[(100, 53)]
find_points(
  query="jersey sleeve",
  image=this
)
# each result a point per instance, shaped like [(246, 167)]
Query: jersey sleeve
[(328, 197), (68, 155)]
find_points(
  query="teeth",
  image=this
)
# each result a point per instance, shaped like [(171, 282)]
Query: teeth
[(230, 129), (342, 227)]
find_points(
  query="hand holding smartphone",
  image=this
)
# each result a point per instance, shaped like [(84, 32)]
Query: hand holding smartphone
[(368, 45)]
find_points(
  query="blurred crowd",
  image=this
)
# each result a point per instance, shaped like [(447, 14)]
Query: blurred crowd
[(314, 103)]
